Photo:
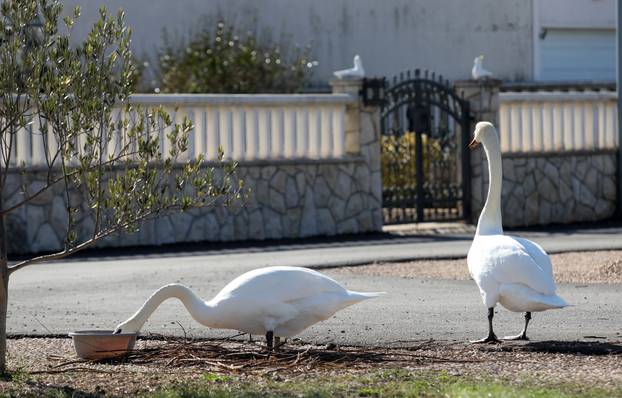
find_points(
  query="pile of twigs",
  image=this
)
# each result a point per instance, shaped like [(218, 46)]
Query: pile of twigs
[(232, 355)]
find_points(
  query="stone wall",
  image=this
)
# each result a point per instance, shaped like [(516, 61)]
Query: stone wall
[(550, 188), (289, 199)]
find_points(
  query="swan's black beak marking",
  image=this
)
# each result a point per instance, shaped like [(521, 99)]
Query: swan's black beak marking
[(473, 144), (118, 331)]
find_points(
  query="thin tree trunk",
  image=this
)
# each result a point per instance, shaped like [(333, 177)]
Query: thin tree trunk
[(4, 288)]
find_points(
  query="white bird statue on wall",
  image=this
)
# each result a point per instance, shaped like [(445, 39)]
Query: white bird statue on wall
[(514, 272), (478, 72), (356, 72), (275, 301)]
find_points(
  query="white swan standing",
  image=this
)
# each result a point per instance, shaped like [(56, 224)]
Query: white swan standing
[(514, 272), (275, 301), (356, 72)]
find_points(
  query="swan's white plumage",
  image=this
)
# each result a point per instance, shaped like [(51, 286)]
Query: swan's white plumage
[(285, 300), (514, 272)]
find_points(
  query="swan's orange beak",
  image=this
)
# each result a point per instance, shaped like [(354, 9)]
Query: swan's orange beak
[(473, 144)]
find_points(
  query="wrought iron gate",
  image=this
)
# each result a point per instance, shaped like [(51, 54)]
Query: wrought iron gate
[(425, 160)]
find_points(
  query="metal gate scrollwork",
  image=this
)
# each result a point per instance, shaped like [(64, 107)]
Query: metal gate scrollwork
[(425, 160)]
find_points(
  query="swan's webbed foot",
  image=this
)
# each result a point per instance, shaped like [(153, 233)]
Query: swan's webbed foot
[(490, 339), (522, 336)]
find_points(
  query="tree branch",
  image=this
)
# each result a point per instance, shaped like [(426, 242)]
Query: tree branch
[(102, 234), (68, 251), (52, 182)]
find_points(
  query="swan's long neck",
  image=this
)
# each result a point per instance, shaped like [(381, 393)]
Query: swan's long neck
[(200, 310), (490, 220)]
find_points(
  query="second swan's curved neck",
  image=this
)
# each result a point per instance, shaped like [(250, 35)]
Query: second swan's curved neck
[(490, 220), (201, 311)]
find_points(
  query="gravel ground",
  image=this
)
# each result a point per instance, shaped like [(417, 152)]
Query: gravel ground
[(573, 267), (51, 363)]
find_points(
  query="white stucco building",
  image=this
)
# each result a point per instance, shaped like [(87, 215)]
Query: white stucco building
[(523, 40)]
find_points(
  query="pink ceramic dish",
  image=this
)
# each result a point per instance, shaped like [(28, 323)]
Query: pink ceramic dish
[(101, 344)]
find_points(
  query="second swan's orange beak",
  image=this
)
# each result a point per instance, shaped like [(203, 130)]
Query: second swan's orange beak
[(473, 144)]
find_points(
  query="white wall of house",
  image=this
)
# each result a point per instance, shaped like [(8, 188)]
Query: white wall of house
[(563, 40), (390, 35), (574, 40)]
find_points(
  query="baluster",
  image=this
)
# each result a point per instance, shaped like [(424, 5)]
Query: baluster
[(264, 133), (22, 154), (252, 133), (226, 131), (239, 119), (290, 132), (339, 136), (536, 126), (610, 125), (526, 130), (38, 147), (276, 133), (314, 132), (213, 132), (568, 131), (558, 126), (505, 118), (517, 136), (302, 132), (326, 129), (199, 132)]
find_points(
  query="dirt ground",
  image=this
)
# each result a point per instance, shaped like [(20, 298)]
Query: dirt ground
[(48, 362), (40, 364), (573, 267)]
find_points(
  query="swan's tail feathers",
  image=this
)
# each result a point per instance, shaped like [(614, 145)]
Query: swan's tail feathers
[(520, 298), (555, 301), (360, 296)]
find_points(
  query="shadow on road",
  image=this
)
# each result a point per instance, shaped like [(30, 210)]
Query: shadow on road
[(574, 347)]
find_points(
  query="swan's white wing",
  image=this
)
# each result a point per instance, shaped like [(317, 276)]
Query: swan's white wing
[(537, 253), (511, 260), (282, 284)]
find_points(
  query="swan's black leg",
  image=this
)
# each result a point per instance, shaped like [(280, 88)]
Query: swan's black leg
[(523, 334), (491, 338), (270, 340), (250, 338), (277, 342)]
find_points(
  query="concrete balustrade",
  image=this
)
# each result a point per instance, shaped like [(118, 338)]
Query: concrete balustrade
[(248, 127), (534, 122), (312, 163)]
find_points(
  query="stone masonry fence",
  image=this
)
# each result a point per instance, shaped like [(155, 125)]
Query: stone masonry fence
[(312, 163)]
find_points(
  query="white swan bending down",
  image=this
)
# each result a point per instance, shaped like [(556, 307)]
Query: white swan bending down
[(514, 272), (275, 301)]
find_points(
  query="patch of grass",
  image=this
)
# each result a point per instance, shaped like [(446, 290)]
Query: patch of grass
[(385, 383), (216, 378)]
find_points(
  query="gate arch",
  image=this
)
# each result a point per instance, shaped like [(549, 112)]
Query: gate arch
[(425, 161)]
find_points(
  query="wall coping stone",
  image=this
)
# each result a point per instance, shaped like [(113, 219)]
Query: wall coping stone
[(243, 163), (508, 155), (241, 99)]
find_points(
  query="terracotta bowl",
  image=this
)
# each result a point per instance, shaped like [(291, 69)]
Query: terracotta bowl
[(101, 344)]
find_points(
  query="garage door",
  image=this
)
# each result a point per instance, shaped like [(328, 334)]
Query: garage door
[(578, 54)]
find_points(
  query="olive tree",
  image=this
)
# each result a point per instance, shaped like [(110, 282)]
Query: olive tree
[(110, 169)]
